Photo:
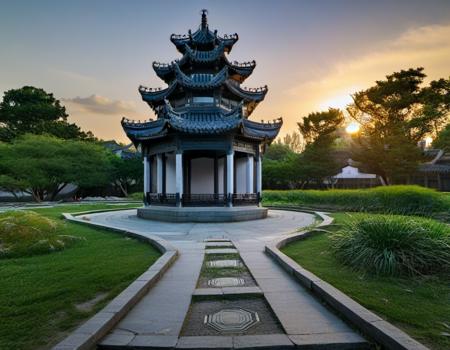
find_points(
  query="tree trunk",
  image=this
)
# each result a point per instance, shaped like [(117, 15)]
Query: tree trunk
[(123, 189), (57, 190)]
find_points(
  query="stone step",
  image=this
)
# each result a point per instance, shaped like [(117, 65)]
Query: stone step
[(219, 264), (221, 251), (217, 240), (225, 291), (218, 245)]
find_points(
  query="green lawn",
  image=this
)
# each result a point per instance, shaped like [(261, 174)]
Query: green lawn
[(420, 306), (38, 294)]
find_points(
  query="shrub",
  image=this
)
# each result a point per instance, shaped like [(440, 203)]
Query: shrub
[(24, 233), (393, 245), (390, 199), (136, 196)]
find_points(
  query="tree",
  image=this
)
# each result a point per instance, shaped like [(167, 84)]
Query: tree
[(443, 139), (127, 173), (278, 151), (43, 165), (319, 129), (32, 110), (280, 167), (394, 115)]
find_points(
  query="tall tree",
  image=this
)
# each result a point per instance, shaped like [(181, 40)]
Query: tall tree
[(319, 132), (127, 173), (32, 110), (394, 115), (43, 165)]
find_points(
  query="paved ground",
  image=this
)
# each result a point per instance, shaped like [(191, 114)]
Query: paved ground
[(158, 318)]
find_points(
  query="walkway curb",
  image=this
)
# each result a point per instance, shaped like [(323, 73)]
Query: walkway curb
[(90, 332), (361, 318)]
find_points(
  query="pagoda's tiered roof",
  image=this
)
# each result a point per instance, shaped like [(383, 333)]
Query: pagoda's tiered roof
[(200, 122), (203, 85)]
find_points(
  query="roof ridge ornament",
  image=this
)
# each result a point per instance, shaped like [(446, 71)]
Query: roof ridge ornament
[(204, 13)]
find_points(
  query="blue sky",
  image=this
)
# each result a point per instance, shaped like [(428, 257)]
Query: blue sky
[(311, 54)]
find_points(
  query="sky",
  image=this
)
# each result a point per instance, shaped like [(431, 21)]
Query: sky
[(93, 55)]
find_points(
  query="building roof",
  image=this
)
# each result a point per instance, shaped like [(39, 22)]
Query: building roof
[(202, 86), (201, 121), (203, 37), (350, 172), (434, 168)]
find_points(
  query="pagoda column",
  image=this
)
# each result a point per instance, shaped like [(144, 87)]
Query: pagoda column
[(159, 173), (249, 173), (258, 177), (179, 177), (230, 177), (146, 179)]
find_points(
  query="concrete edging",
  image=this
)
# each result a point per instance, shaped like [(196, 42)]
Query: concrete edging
[(366, 321), (90, 332)]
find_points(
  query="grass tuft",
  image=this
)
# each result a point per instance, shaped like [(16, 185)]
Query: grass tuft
[(25, 233), (393, 245)]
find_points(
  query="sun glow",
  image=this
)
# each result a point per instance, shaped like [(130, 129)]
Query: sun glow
[(352, 128)]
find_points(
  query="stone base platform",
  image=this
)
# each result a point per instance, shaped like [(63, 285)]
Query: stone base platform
[(202, 214)]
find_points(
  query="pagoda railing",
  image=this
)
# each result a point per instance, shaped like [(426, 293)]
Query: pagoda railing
[(202, 200), (169, 199), (240, 199)]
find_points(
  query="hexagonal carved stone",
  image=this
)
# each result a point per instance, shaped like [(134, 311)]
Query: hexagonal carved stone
[(232, 320), (226, 282)]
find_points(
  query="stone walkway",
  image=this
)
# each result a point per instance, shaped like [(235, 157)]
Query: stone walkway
[(157, 320)]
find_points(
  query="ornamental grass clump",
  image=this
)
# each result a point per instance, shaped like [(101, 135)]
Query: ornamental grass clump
[(24, 233), (394, 245)]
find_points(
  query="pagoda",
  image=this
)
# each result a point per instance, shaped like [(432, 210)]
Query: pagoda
[(201, 149)]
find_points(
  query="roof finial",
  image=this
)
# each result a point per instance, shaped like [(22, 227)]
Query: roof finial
[(204, 18)]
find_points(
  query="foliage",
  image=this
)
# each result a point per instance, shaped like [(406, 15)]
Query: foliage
[(293, 141), (417, 305), (280, 167), (138, 196), (25, 233), (319, 130), (33, 110), (394, 245), (43, 165), (38, 294), (127, 173), (391, 199), (394, 115), (443, 139), (320, 127), (278, 151)]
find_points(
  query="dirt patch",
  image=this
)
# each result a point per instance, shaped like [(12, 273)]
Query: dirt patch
[(89, 305)]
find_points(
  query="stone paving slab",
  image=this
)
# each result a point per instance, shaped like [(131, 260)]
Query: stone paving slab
[(263, 341), (208, 342), (218, 245), (217, 240), (344, 341), (162, 310), (297, 310), (203, 292), (221, 251)]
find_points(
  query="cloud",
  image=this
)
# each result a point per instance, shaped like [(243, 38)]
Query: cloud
[(426, 46), (99, 105)]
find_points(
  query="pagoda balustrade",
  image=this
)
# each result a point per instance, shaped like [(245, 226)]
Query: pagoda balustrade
[(202, 199)]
